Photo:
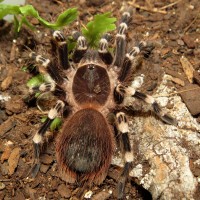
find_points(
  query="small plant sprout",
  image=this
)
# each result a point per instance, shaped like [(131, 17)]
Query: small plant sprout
[(21, 14), (101, 24)]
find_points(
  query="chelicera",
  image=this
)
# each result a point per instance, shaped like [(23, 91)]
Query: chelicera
[(93, 85)]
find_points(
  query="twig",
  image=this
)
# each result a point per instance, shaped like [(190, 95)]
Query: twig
[(173, 93), (5, 180), (83, 25), (192, 22), (170, 5), (156, 10)]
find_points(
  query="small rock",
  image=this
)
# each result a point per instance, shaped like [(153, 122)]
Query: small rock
[(64, 191), (46, 159), (88, 194), (180, 42), (188, 41), (13, 160)]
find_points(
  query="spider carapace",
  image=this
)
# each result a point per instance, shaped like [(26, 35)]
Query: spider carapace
[(93, 85)]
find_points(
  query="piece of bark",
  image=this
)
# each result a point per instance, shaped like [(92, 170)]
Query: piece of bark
[(197, 77), (191, 98)]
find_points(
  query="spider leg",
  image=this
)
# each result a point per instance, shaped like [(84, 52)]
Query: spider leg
[(127, 66), (81, 47), (59, 45), (44, 87), (47, 66), (49, 87), (123, 91), (121, 39), (38, 137), (105, 55), (122, 126)]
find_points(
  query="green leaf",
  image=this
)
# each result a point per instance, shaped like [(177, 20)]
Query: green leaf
[(56, 124), (63, 19), (101, 24), (8, 10), (36, 81), (22, 12), (66, 17)]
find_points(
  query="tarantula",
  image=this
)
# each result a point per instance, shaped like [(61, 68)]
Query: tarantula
[(93, 85)]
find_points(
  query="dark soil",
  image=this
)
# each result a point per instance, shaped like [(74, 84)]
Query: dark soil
[(174, 34)]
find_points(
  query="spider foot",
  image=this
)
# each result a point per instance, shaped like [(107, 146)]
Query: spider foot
[(169, 120), (35, 169), (120, 188)]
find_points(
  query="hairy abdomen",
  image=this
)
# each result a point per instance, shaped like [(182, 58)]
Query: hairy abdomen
[(85, 147)]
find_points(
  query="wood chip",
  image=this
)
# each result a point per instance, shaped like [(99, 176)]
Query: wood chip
[(189, 41), (8, 80), (191, 98), (7, 126), (6, 154), (13, 160), (187, 68), (6, 83)]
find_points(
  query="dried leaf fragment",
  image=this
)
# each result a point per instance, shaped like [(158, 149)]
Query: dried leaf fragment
[(13, 160), (8, 80), (187, 68), (6, 154), (176, 80)]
